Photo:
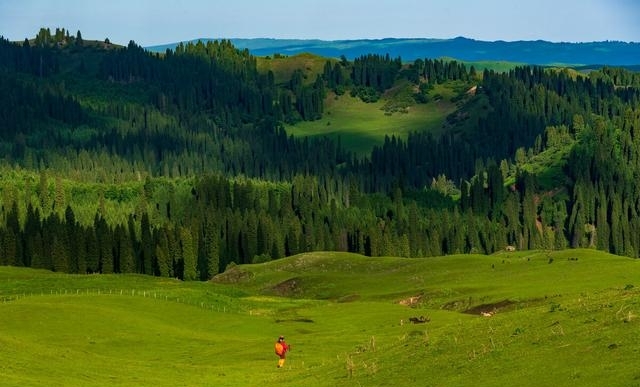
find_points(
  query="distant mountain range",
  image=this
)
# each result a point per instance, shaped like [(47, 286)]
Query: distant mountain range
[(532, 52)]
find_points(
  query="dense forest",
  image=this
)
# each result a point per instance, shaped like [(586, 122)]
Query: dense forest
[(116, 159)]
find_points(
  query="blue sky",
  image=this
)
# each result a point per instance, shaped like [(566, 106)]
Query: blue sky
[(151, 22)]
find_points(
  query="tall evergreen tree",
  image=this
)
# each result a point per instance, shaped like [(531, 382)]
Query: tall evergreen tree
[(189, 254)]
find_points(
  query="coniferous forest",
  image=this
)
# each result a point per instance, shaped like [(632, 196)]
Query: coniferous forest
[(118, 160)]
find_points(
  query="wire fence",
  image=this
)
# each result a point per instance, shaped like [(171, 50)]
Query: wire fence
[(10, 298)]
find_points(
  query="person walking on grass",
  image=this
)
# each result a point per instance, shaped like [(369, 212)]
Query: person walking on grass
[(281, 350)]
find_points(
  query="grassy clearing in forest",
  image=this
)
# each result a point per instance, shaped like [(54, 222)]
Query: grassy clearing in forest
[(558, 318), (360, 126)]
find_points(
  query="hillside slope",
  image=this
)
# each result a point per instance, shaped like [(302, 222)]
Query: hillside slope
[(348, 317)]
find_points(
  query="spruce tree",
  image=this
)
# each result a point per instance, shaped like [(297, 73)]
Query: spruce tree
[(189, 254), (211, 247)]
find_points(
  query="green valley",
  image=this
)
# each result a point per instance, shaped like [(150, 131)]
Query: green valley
[(470, 218)]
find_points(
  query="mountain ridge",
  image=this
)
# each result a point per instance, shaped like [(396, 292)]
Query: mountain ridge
[(540, 52)]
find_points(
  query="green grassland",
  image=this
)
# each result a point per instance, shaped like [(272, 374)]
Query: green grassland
[(559, 318), (283, 66), (360, 126), (499, 66)]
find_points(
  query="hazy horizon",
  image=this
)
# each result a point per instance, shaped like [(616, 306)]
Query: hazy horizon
[(156, 22)]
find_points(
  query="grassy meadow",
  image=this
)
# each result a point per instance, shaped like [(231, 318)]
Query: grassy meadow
[(283, 66), (558, 318), (360, 126)]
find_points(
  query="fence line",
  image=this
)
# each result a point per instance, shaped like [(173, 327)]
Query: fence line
[(122, 292)]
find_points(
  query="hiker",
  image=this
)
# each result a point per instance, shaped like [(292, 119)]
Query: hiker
[(281, 350)]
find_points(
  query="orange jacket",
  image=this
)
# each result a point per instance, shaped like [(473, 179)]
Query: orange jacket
[(281, 348)]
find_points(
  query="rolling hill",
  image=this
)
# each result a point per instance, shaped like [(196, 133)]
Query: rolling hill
[(532, 52), (556, 318)]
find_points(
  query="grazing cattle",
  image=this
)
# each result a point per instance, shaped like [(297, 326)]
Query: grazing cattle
[(419, 320)]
